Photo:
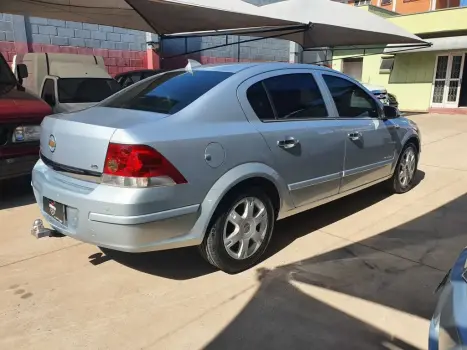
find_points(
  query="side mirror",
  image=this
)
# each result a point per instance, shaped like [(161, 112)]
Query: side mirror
[(50, 99), (22, 71), (391, 112)]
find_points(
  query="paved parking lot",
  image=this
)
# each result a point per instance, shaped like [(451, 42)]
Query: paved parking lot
[(354, 274)]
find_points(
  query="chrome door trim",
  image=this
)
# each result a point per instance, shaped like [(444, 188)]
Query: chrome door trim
[(316, 181), (312, 205), (366, 168)]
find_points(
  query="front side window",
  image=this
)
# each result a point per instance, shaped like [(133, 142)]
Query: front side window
[(351, 101), (85, 90), (290, 96), (168, 93)]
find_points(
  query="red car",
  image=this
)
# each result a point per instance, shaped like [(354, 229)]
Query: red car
[(21, 115)]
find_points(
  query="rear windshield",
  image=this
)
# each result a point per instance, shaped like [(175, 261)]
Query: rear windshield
[(86, 90), (167, 93)]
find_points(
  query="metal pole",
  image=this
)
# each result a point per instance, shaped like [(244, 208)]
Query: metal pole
[(161, 51)]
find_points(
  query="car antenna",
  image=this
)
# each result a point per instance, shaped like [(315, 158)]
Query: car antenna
[(192, 64)]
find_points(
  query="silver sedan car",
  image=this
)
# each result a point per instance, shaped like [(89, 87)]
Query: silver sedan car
[(212, 157)]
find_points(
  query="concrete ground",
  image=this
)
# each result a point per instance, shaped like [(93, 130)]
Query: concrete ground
[(358, 273)]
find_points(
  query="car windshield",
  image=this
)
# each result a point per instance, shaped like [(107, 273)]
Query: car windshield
[(85, 90), (167, 93)]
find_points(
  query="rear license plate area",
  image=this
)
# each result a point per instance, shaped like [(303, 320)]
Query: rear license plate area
[(55, 210)]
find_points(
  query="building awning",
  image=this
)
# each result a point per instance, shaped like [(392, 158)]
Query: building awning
[(314, 23), (438, 44)]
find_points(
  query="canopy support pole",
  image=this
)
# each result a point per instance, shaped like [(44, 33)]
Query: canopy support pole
[(371, 54), (246, 31), (350, 48)]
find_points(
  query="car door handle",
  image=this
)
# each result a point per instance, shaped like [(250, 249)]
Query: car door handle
[(355, 136), (289, 142)]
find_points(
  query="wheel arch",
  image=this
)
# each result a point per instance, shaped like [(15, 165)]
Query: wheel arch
[(415, 140), (249, 174), (409, 138)]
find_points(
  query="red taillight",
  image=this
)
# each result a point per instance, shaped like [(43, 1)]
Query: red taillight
[(141, 163)]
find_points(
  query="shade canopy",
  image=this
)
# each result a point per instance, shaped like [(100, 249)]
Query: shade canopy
[(452, 43), (335, 24), (324, 22)]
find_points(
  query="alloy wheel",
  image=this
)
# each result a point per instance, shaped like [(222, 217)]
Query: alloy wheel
[(245, 228), (407, 167)]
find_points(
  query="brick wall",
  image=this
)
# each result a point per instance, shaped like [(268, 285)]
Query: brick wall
[(7, 42), (122, 49)]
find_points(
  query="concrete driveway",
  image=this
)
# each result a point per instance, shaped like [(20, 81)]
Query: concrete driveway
[(354, 274)]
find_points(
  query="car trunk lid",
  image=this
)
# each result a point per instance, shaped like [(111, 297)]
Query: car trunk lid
[(78, 142)]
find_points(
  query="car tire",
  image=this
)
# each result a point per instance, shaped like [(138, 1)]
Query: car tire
[(398, 182), (254, 231)]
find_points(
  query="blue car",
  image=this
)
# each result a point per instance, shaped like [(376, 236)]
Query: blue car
[(448, 327)]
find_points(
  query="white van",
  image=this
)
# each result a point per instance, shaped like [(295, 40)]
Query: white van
[(67, 82)]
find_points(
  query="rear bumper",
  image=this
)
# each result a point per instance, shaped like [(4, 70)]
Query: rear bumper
[(17, 166), (114, 218)]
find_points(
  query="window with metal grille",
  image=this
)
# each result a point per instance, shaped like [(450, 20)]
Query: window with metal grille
[(386, 2)]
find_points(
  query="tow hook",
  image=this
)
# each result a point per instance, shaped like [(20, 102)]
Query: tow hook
[(39, 231)]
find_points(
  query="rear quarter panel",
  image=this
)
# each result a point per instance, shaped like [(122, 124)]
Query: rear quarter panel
[(214, 127)]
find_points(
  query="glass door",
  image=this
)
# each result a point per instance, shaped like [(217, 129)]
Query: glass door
[(447, 80)]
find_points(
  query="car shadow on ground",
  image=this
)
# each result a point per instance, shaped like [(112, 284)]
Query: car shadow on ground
[(186, 263), (377, 293), (177, 264), (290, 229), (16, 193)]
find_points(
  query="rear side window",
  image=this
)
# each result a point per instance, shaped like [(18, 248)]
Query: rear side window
[(291, 96), (259, 101), (168, 93), (351, 101)]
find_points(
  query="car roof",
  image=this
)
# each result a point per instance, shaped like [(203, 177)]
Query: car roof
[(238, 67)]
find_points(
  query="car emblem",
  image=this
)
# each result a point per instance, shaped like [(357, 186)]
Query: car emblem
[(52, 143)]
